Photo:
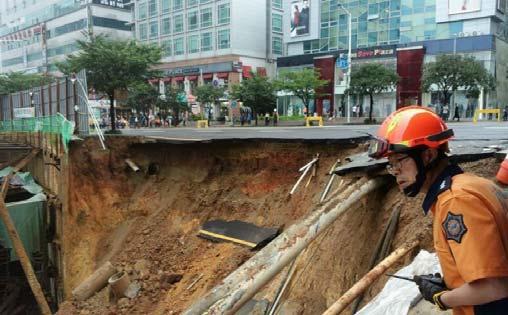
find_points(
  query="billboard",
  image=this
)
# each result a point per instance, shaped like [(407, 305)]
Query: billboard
[(300, 17), (463, 6)]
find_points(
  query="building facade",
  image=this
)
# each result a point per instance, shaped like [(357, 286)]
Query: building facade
[(401, 34), (35, 34), (211, 41)]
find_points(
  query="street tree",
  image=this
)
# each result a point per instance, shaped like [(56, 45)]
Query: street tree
[(257, 92), (207, 94), (371, 79), (142, 96), (174, 101), (450, 72), (303, 84), (18, 81), (112, 65)]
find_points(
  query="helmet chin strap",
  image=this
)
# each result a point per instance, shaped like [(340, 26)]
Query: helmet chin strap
[(413, 189)]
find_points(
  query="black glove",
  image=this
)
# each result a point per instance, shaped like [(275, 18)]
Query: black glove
[(432, 287)]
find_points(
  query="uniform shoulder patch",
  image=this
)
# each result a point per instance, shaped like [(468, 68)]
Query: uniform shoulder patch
[(454, 227)]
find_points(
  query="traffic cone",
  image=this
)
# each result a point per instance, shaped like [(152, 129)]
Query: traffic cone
[(502, 174)]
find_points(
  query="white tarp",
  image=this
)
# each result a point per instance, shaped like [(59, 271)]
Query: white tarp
[(398, 295)]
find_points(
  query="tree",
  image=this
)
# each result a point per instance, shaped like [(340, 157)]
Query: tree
[(450, 72), (303, 84), (257, 92), (174, 100), (18, 81), (208, 94), (142, 96), (112, 65), (371, 79)]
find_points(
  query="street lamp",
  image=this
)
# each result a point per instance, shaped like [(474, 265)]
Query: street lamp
[(31, 98), (76, 107), (348, 82)]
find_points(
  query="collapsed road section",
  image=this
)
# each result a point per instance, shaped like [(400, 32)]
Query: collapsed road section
[(149, 227)]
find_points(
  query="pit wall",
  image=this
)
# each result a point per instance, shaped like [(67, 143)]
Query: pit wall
[(242, 180)]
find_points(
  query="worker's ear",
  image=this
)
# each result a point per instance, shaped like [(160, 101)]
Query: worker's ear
[(429, 155)]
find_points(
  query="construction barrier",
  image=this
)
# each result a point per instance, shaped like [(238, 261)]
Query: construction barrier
[(56, 125), (487, 111), (317, 118), (202, 123)]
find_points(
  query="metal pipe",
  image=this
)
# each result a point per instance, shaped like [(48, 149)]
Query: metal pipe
[(300, 179), (236, 289)]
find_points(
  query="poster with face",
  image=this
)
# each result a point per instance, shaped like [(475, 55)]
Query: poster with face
[(463, 6), (300, 17)]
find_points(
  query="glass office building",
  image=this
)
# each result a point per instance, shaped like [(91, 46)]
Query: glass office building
[(401, 34), (34, 35), (211, 41)]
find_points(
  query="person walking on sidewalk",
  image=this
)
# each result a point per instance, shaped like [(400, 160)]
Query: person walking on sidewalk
[(456, 114), (275, 117), (446, 112), (470, 213)]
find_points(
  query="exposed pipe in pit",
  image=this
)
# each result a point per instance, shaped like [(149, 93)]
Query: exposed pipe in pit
[(236, 289)]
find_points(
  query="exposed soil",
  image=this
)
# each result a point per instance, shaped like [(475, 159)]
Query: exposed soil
[(146, 224)]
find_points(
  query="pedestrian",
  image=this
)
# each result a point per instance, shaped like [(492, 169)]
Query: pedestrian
[(456, 113), (275, 117), (505, 113), (446, 112), (470, 225), (267, 119)]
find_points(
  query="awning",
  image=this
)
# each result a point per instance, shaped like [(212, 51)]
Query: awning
[(153, 81), (223, 75), (207, 76), (192, 77), (176, 79), (166, 79)]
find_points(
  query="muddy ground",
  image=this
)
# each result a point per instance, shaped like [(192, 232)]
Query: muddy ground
[(147, 224)]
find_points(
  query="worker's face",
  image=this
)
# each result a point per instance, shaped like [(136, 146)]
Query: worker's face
[(404, 168)]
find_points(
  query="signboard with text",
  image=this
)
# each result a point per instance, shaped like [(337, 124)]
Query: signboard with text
[(24, 112)]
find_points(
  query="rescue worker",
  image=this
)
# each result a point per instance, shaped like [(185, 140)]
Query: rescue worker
[(470, 213)]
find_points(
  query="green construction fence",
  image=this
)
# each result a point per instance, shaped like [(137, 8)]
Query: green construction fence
[(48, 124)]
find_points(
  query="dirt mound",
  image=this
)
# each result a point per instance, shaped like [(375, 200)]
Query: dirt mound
[(146, 224)]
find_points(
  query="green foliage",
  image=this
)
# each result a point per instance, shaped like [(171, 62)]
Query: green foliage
[(371, 79), (257, 92), (18, 81), (451, 72), (142, 96), (173, 101), (304, 84), (208, 94), (112, 64)]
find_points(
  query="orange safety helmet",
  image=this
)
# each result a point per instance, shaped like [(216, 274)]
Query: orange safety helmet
[(407, 128)]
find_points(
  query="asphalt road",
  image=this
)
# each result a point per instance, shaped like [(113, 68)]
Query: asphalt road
[(487, 131)]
